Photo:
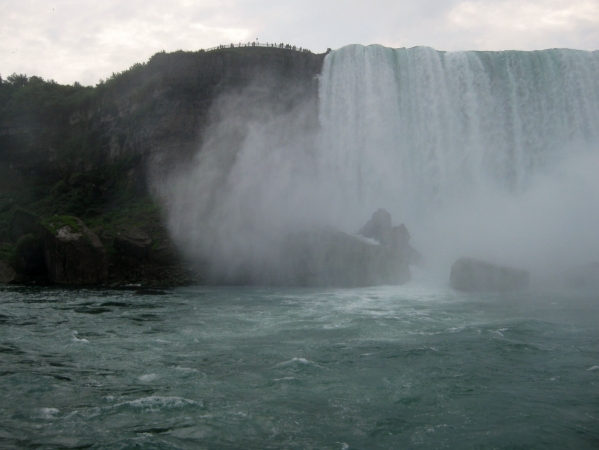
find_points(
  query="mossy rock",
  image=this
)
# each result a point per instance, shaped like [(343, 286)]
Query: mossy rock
[(74, 254), (55, 223)]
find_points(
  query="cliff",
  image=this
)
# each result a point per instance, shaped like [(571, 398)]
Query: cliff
[(88, 151)]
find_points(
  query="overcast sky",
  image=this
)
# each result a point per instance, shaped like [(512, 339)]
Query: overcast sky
[(85, 41)]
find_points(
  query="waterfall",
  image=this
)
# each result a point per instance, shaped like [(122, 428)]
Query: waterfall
[(412, 128), (484, 154)]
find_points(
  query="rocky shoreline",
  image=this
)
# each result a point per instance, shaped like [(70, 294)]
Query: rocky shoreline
[(64, 250)]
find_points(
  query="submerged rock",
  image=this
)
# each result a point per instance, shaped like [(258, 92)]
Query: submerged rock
[(74, 254), (473, 275)]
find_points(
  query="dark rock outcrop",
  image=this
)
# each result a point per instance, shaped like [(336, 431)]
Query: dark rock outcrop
[(165, 254), (378, 227), (134, 243), (74, 254), (7, 273), (334, 258), (473, 275), (30, 260)]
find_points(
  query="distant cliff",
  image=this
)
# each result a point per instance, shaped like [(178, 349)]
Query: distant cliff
[(86, 151)]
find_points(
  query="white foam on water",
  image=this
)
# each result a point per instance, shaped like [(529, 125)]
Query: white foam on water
[(48, 413), (186, 369), (74, 338), (158, 403), (300, 361), (148, 377)]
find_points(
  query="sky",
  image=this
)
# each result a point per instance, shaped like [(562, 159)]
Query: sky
[(86, 41)]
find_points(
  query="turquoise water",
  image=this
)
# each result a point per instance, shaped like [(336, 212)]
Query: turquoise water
[(269, 368)]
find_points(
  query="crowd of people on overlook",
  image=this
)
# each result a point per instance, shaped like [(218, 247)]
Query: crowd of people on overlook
[(257, 44)]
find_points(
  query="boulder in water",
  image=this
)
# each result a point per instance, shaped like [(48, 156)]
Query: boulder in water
[(74, 254), (334, 258), (378, 227), (473, 275)]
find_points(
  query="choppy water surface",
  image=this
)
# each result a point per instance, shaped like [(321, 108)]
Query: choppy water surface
[(405, 367)]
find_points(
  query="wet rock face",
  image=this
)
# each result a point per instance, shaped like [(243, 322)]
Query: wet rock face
[(30, 259), (23, 223), (165, 254), (74, 254), (7, 273), (134, 243), (473, 275)]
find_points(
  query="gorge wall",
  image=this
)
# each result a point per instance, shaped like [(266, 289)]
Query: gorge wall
[(91, 152)]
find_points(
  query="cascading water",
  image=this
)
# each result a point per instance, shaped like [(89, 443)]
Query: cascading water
[(487, 154), (415, 127)]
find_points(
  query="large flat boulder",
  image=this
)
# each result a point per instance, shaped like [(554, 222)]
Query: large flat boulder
[(74, 254), (379, 254), (334, 258), (473, 275)]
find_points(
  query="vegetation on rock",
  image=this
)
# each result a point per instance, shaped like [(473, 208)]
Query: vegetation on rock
[(85, 152)]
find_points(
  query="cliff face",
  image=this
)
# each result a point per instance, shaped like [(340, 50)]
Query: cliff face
[(157, 108), (86, 152)]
